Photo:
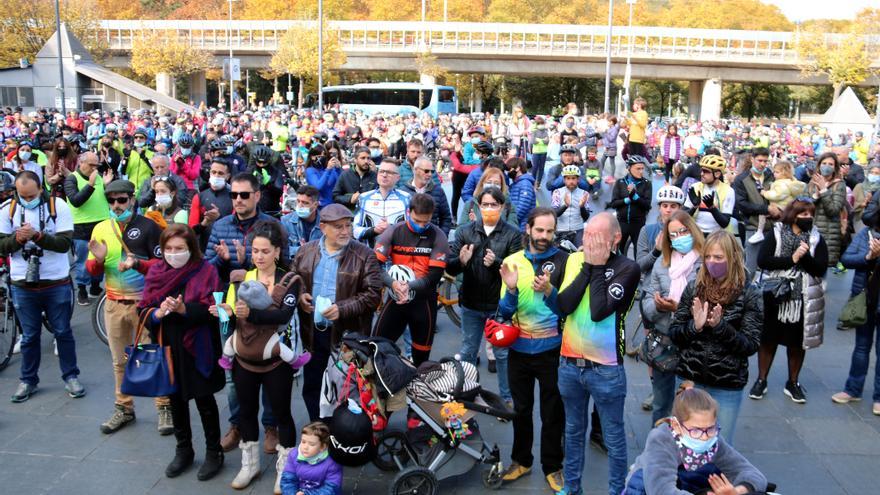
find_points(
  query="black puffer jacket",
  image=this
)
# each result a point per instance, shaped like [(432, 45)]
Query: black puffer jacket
[(718, 357), (636, 211), (481, 285)]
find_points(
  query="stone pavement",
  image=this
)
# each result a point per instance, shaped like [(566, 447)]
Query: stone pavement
[(51, 443)]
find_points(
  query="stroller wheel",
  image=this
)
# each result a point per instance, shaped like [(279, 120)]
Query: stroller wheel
[(493, 477), (391, 451), (414, 481)]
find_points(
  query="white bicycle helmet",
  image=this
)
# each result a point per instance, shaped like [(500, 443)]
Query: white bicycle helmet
[(401, 273), (670, 194), (571, 170)]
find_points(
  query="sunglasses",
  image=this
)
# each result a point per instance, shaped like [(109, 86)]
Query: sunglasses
[(242, 195), (119, 200)]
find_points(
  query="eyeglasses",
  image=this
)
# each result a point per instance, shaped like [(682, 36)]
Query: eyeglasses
[(426, 170), (120, 200), (388, 172), (698, 433), (679, 233), (242, 195)]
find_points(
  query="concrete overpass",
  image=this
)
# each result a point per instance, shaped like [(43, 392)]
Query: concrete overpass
[(705, 57)]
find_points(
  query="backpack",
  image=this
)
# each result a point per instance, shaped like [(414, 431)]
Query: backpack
[(53, 213)]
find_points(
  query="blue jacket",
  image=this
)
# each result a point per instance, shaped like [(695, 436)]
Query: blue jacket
[(470, 185), (467, 153), (522, 196), (854, 257), (229, 229), (295, 234), (324, 180)]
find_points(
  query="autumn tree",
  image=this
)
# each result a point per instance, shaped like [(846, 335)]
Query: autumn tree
[(297, 54), (843, 58), (158, 52)]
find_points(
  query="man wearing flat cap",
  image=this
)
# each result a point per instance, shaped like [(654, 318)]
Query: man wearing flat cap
[(341, 286)]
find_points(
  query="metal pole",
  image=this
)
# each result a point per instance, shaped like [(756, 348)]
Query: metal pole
[(60, 61), (247, 88), (629, 50), (229, 39), (608, 56), (320, 55), (877, 125)]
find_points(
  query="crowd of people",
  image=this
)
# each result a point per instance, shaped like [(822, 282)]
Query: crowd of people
[(211, 232)]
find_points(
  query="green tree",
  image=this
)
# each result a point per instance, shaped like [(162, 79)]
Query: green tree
[(845, 59), (755, 100)]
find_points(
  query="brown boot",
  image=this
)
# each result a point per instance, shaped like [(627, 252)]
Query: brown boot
[(230, 439), (270, 440)]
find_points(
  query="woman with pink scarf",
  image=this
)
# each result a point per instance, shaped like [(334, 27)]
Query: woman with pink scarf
[(680, 246)]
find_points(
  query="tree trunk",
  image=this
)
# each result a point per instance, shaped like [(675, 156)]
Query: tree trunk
[(299, 95), (838, 88)]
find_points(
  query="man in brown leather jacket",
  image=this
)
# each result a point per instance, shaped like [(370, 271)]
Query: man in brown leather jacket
[(341, 291)]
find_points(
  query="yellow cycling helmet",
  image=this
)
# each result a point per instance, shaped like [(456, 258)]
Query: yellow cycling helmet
[(713, 162)]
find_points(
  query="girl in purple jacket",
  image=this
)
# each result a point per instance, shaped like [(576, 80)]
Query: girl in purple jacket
[(309, 469)]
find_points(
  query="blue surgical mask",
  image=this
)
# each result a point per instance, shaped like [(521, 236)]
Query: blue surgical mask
[(475, 140), (418, 229), (321, 305), (683, 244), (826, 170), (24, 155), (303, 211), (697, 445), (122, 217), (375, 152), (185, 151), (229, 150), (757, 172), (31, 204), (873, 179)]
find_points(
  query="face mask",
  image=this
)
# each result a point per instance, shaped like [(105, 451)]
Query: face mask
[(321, 305), (697, 445), (757, 172), (217, 183), (475, 140), (106, 144), (163, 200), (303, 211), (418, 229), (61, 151), (177, 260), (717, 269), (139, 144), (873, 179), (375, 152), (185, 151), (30, 205), (826, 170), (805, 224), (122, 217), (490, 217), (542, 126), (229, 150), (683, 244), (24, 155), (490, 185), (569, 125)]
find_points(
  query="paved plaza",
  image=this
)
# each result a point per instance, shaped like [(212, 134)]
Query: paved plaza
[(51, 443)]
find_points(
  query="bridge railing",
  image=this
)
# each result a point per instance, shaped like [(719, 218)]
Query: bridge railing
[(482, 38)]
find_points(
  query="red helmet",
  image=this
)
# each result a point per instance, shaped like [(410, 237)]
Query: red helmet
[(500, 334)]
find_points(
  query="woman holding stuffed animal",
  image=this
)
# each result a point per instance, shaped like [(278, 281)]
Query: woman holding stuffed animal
[(259, 355)]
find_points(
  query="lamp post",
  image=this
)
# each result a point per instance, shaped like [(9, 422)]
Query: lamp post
[(229, 65), (60, 60), (320, 55), (629, 51), (608, 55)]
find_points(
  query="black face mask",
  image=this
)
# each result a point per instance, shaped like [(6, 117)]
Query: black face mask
[(805, 224), (62, 151)]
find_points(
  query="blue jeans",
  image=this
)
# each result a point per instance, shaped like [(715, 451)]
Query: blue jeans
[(29, 307), (538, 162), (866, 337), (81, 250), (607, 386), (663, 385), (729, 402), (267, 418), (472, 324)]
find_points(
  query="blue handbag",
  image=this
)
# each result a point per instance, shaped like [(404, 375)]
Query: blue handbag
[(149, 370)]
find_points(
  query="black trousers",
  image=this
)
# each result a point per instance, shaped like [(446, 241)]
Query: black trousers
[(638, 149), (313, 373), (458, 180), (278, 384), (629, 232), (209, 415), (421, 316), (523, 370)]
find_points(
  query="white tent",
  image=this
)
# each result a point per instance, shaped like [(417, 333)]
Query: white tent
[(847, 115)]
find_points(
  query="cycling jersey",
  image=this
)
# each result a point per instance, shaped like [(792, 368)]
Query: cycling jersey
[(373, 208), (421, 252), (141, 237)]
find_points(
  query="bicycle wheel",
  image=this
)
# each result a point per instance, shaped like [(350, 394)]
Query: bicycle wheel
[(8, 332), (47, 325), (98, 321), (448, 298)]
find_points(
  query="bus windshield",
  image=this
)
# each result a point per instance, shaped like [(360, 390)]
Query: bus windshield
[(378, 96)]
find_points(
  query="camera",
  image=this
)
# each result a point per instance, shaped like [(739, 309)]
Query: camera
[(32, 253)]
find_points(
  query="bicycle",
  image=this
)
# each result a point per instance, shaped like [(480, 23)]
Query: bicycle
[(447, 298), (98, 322)]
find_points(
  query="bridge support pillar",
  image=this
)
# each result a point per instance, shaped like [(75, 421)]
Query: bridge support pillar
[(710, 106), (198, 88), (695, 94), (164, 83)]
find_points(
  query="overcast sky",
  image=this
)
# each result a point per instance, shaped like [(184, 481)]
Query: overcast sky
[(800, 10)]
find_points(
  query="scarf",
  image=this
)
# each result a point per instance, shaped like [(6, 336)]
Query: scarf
[(680, 267), (791, 311), (314, 459), (197, 281)]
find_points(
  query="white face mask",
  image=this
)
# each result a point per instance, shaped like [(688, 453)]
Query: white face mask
[(24, 155), (163, 200), (217, 183), (177, 260)]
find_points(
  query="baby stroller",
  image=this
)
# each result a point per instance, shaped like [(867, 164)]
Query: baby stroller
[(443, 439)]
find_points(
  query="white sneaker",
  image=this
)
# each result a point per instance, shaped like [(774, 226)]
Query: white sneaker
[(55, 345), (16, 349)]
